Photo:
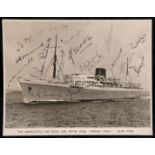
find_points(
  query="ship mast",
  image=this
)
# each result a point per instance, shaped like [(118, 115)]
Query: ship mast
[(55, 58)]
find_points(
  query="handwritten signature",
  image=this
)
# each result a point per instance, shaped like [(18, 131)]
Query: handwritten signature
[(79, 49), (72, 37), (42, 56), (20, 58), (141, 40), (117, 58), (91, 63), (139, 68)]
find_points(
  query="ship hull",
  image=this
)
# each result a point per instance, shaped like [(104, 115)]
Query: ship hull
[(43, 91)]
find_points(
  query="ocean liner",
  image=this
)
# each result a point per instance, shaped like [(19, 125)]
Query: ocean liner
[(78, 87)]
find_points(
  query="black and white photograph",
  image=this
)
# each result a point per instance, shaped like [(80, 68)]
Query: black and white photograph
[(77, 77)]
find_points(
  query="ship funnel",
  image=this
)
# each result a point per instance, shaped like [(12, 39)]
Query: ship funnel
[(100, 72)]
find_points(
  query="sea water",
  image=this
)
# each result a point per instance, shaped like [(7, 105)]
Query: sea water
[(108, 113)]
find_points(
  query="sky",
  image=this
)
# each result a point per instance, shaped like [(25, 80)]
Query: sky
[(83, 45)]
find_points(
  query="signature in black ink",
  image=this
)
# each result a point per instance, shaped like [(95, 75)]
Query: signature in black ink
[(117, 58), (86, 47), (42, 57), (141, 40), (20, 58), (91, 63), (23, 42), (139, 68), (29, 60), (74, 51), (44, 52), (72, 37)]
